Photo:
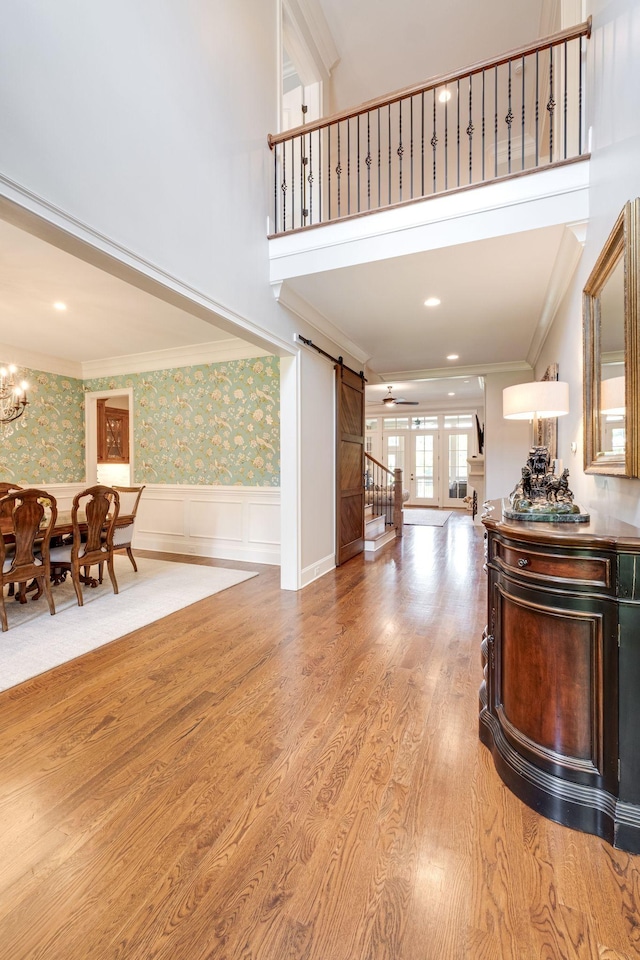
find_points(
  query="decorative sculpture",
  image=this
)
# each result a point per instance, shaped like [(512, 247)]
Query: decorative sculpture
[(541, 495)]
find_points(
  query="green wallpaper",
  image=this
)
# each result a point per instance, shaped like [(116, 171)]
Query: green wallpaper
[(210, 423), (47, 443)]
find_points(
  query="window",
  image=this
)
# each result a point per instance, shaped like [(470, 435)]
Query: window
[(460, 421), (424, 423)]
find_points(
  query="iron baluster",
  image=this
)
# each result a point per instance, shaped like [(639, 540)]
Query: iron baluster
[(303, 183), (411, 147), (284, 188), (483, 125), (470, 128), (400, 150), (523, 114), (551, 104), (379, 160), (389, 131), (293, 189), (495, 122), (509, 121), (310, 178), (338, 171), (368, 161), (458, 134), (422, 148), (275, 187), (329, 210), (434, 142), (348, 167), (580, 97), (537, 108), (320, 198), (565, 100), (358, 159), (446, 144)]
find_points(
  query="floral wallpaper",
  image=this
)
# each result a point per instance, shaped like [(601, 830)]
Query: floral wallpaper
[(210, 423), (46, 443)]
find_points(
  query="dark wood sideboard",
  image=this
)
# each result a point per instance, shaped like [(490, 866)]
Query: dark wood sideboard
[(560, 698)]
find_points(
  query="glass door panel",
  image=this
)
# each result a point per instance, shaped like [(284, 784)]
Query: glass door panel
[(457, 468), (424, 481), (394, 445)]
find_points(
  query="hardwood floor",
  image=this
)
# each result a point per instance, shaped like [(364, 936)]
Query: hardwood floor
[(275, 776)]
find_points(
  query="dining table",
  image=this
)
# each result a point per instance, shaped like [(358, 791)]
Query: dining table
[(62, 527)]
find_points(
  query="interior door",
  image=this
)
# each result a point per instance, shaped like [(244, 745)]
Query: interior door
[(349, 464)]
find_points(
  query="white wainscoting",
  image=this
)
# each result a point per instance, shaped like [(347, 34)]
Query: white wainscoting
[(228, 523)]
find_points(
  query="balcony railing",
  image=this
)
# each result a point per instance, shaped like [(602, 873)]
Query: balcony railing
[(495, 119)]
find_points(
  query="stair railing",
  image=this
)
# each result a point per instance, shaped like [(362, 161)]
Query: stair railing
[(495, 119), (383, 492)]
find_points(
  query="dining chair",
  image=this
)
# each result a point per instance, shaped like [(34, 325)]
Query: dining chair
[(93, 516), (26, 558), (5, 510), (122, 536)]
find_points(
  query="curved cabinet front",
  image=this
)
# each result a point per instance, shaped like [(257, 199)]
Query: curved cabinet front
[(549, 702)]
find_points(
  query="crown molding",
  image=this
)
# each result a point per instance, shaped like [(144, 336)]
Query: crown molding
[(567, 259), (304, 311), (449, 373), (220, 351), (308, 40), (40, 361)]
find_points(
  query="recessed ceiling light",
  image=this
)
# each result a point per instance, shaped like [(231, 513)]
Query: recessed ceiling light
[(432, 302), (453, 356), (59, 305), (445, 96), (451, 394)]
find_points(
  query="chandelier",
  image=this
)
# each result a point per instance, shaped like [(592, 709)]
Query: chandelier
[(13, 398)]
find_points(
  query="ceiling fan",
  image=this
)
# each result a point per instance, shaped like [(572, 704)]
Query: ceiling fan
[(390, 401)]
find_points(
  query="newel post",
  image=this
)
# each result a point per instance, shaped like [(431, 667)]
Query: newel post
[(397, 501)]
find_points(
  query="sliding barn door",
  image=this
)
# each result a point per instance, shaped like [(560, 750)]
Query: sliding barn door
[(349, 465)]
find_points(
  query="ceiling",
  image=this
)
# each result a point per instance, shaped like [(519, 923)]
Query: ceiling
[(105, 317)]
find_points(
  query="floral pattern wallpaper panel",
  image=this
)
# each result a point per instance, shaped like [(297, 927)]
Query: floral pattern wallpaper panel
[(47, 442), (216, 423)]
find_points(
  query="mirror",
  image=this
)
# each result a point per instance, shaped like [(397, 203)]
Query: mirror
[(611, 344)]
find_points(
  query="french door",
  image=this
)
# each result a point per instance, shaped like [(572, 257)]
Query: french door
[(432, 452)]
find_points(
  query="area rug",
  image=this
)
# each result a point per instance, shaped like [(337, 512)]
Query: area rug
[(426, 517), (36, 641)]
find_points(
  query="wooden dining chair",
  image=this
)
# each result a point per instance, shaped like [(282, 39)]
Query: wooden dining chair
[(122, 536), (5, 510), (93, 516), (26, 557)]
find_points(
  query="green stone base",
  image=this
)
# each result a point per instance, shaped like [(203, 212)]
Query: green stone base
[(545, 512)]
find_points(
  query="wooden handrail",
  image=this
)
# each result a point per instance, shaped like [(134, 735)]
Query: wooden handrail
[(378, 464), (570, 33)]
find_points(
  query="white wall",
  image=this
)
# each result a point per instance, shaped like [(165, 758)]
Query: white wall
[(506, 442), (140, 128), (318, 464), (614, 115)]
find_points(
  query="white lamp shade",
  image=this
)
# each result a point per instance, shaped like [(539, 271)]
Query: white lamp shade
[(538, 399), (612, 396)]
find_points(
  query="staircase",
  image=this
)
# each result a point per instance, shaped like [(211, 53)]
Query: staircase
[(383, 504)]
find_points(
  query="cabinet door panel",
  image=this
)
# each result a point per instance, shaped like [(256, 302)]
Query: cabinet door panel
[(550, 674)]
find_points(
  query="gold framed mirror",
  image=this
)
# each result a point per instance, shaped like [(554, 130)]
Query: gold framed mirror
[(611, 352)]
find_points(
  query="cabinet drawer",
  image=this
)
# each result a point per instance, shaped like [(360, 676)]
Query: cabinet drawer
[(594, 571)]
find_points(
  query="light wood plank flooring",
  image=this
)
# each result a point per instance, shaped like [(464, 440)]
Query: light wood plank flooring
[(276, 776)]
